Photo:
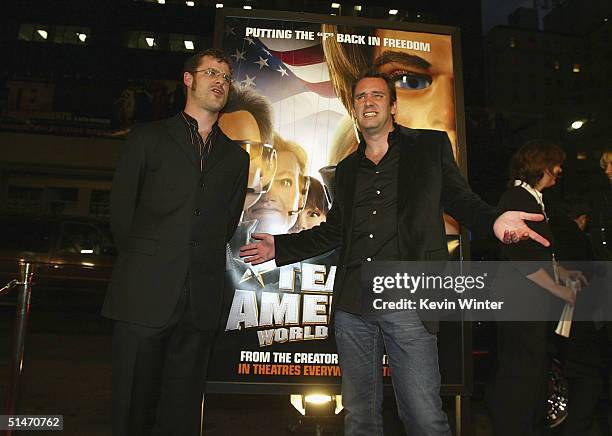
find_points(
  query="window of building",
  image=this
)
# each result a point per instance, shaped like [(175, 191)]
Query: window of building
[(71, 35), (78, 35), (58, 201), (24, 199), (99, 203), (143, 40), (180, 42), (82, 238), (34, 32)]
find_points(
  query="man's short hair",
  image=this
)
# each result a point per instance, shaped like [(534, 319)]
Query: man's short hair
[(191, 64), (245, 99), (373, 74)]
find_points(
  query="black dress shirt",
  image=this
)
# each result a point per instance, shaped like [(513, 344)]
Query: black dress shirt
[(201, 146), (374, 235)]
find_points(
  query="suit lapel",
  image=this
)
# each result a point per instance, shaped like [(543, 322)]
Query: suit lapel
[(178, 132), (406, 169), (218, 152)]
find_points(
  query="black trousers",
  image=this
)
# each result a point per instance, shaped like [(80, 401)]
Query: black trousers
[(159, 375), (520, 388), (585, 367)]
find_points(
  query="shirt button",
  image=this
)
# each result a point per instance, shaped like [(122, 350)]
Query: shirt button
[(377, 192), (371, 236), (373, 212), (369, 259), (194, 243), (197, 212)]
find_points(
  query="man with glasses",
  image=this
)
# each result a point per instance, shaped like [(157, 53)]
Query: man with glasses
[(176, 199)]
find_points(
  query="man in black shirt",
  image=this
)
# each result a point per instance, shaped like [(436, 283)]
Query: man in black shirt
[(391, 194)]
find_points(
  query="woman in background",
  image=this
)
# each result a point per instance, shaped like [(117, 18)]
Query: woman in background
[(521, 388)]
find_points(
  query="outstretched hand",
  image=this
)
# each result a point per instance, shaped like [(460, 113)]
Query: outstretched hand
[(510, 227), (258, 252)]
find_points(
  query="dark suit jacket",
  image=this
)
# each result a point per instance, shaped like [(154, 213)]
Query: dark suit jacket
[(171, 222), (429, 184)]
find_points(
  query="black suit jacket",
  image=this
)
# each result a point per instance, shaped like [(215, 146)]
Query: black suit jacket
[(429, 184), (171, 222)]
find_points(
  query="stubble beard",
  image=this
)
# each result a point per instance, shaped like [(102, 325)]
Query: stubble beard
[(205, 102)]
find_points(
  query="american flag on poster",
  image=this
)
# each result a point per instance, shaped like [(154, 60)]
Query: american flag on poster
[(293, 75)]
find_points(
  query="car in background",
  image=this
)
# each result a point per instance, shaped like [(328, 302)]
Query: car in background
[(73, 259)]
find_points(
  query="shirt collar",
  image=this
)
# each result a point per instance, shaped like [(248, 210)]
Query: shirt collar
[(390, 139), (193, 123), (534, 192)]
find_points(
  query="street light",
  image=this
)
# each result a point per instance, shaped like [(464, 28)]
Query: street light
[(576, 125)]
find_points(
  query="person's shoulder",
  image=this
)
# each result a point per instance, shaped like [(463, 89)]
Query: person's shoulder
[(428, 134), (516, 192), (426, 139), (147, 131), (518, 197), (347, 161)]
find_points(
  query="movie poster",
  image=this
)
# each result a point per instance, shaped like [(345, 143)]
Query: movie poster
[(291, 110)]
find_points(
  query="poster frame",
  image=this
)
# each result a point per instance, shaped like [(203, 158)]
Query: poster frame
[(457, 390)]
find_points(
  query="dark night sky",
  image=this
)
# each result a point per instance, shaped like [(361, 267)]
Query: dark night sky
[(495, 12)]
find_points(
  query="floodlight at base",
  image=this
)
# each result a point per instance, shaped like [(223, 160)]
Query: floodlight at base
[(299, 402), (317, 398)]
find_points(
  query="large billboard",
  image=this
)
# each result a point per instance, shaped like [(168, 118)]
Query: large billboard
[(291, 108)]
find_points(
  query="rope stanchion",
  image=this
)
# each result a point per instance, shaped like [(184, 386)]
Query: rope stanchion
[(22, 315)]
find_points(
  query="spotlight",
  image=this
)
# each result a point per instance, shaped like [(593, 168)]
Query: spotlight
[(150, 41), (188, 44), (161, 2), (219, 5), (577, 124), (317, 399), (393, 11), (358, 8), (335, 5), (82, 36), (317, 404), (43, 33), (247, 7), (190, 3)]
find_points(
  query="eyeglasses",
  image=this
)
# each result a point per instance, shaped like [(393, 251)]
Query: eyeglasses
[(213, 74)]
